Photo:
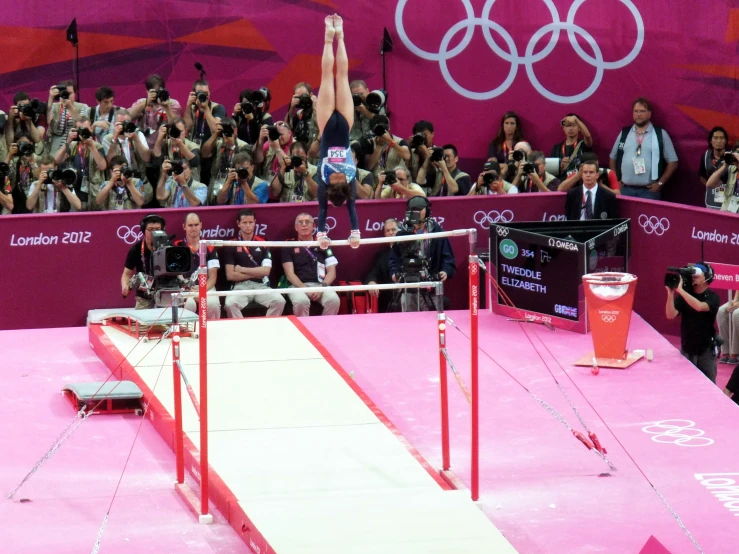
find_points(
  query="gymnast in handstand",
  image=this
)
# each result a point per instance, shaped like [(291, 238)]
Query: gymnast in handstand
[(335, 114)]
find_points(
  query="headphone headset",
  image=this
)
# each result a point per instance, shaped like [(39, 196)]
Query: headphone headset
[(151, 218), (416, 199), (707, 270)]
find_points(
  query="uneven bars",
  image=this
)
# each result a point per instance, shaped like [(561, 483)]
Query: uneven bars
[(306, 243), (310, 290)]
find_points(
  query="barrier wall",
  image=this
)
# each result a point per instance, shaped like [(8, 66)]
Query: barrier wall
[(541, 59), (56, 267)]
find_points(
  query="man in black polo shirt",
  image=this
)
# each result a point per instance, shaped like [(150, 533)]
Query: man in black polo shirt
[(138, 260), (310, 267), (192, 227), (249, 268), (698, 307)]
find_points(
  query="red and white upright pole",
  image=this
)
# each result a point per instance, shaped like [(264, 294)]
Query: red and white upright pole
[(474, 272), (178, 439), (205, 517), (441, 326)]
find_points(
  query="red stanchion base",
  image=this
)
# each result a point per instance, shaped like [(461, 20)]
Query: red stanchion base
[(617, 363)]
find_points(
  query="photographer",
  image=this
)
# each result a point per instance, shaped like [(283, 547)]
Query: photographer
[(241, 185), (295, 182), (157, 109), (273, 145), (52, 192), (388, 151), (23, 119), (698, 306), (102, 115), (6, 190), (301, 119), (421, 260), (86, 157), (422, 146), (22, 165), (728, 328), (138, 260), (123, 191), (363, 116), (573, 146), (397, 184), (217, 154), (490, 181), (454, 181), (711, 160), (727, 170), (192, 227), (250, 114), (380, 272), (128, 141), (532, 175), (172, 144), (509, 134), (177, 188), (309, 267), (62, 110), (201, 115), (249, 269)]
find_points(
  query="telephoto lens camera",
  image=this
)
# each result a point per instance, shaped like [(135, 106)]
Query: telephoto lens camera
[(242, 173), (162, 95), (247, 107), (489, 178), (66, 176), (202, 97), (357, 99), (418, 140), (437, 154), (26, 110), (84, 133), (529, 168), (390, 177), (128, 127), (379, 130), (127, 172), (227, 130), (376, 100), (177, 167), (273, 133), (305, 102), (729, 158), (519, 155), (295, 161), (25, 149), (174, 131), (62, 93)]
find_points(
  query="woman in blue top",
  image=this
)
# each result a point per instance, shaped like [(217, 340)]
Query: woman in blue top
[(335, 115)]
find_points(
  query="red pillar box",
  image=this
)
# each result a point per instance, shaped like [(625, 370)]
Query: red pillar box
[(610, 299)]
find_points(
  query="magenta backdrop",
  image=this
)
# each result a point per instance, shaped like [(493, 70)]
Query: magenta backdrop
[(684, 60), (55, 284)]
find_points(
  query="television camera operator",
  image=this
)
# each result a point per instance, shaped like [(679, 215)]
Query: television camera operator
[(154, 268), (698, 306), (428, 260)]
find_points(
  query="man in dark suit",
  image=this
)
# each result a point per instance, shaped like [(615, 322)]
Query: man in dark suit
[(380, 273), (591, 201)]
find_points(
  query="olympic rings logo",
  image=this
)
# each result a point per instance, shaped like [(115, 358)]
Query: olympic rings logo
[(608, 318), (473, 269), (485, 220), (330, 224), (530, 58), (681, 432), (502, 231), (129, 235), (654, 225)]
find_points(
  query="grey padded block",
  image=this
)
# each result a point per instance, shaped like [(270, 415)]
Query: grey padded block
[(86, 391)]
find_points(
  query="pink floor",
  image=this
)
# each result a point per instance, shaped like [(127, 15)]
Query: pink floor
[(70, 494), (538, 484)]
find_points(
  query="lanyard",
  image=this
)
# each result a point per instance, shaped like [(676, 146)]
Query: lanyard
[(574, 147), (310, 254), (82, 159), (639, 140), (143, 260), (246, 249)]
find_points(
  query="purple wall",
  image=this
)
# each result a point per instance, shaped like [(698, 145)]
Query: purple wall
[(682, 55), (79, 259)]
